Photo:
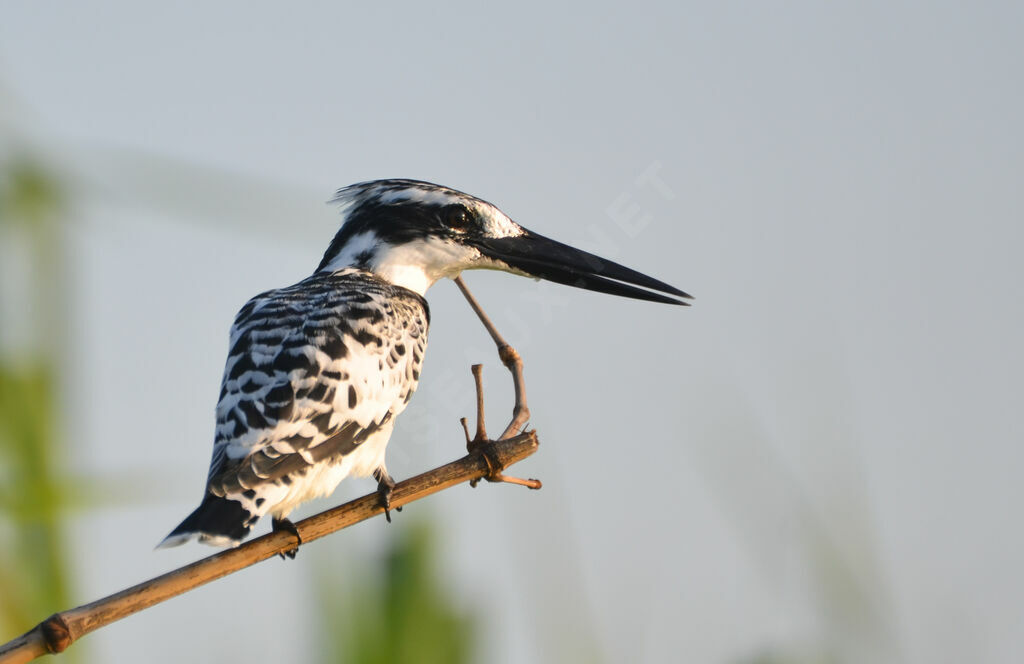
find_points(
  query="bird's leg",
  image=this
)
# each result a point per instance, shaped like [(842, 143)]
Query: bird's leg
[(480, 444), (385, 484), (289, 527), (512, 361)]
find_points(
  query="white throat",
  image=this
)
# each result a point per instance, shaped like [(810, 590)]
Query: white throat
[(413, 265), (413, 277)]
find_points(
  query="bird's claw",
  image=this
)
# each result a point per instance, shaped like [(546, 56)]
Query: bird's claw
[(287, 526), (385, 487)]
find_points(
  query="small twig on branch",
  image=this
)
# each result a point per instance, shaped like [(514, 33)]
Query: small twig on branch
[(60, 630)]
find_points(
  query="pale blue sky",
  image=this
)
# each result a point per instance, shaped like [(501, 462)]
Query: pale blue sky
[(843, 196)]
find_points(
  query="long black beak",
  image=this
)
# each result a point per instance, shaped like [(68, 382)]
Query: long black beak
[(549, 259)]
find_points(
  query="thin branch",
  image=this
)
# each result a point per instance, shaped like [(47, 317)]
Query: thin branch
[(510, 358), (499, 341), (60, 630)]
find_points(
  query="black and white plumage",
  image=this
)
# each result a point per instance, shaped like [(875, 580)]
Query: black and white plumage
[(317, 372)]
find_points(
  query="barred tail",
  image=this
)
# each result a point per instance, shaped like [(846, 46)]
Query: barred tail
[(218, 521)]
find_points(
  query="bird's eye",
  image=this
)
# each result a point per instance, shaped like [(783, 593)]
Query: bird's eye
[(457, 218)]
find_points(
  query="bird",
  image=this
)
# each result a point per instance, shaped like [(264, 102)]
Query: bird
[(317, 372)]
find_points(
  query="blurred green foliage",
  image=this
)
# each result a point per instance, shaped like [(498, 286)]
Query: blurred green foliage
[(29, 195), (396, 614), (34, 576), (33, 569)]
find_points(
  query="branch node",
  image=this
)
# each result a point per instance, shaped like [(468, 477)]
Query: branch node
[(509, 356), (56, 633), (486, 449)]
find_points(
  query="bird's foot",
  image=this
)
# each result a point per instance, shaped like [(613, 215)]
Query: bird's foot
[(385, 486), (287, 526)]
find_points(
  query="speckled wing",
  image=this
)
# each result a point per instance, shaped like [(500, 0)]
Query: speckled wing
[(314, 371)]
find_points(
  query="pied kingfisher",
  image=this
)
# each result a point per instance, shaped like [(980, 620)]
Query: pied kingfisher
[(318, 371)]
